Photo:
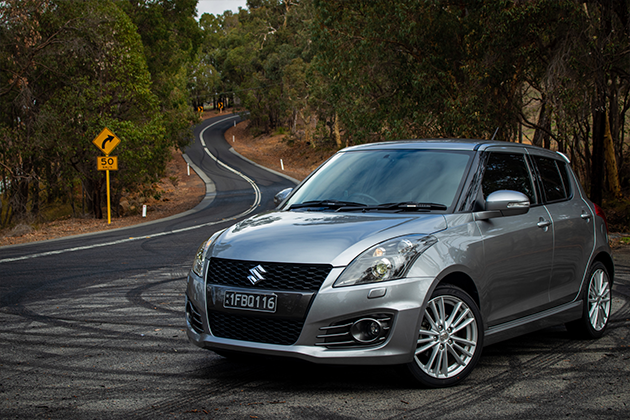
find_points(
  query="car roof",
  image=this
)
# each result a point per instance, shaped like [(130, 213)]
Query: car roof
[(452, 144)]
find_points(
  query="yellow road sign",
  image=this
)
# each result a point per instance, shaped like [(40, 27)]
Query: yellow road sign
[(107, 163), (106, 141)]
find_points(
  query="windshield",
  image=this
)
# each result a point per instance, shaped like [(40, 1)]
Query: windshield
[(378, 177)]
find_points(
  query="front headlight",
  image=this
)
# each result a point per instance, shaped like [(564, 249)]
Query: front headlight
[(389, 260), (200, 256)]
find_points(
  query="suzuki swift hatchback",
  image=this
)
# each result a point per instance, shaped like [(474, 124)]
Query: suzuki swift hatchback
[(416, 253)]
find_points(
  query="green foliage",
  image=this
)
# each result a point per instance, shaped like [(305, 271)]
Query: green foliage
[(171, 38), (554, 72), (71, 68), (262, 56), (550, 72)]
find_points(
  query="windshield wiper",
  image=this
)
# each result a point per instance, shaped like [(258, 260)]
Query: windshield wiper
[(411, 206), (329, 204), (399, 207)]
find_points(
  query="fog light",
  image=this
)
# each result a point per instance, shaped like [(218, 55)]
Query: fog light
[(366, 330)]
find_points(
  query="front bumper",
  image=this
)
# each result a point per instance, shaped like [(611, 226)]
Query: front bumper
[(402, 300)]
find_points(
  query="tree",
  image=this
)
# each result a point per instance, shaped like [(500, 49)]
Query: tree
[(570, 61), (170, 39), (80, 67), (467, 68)]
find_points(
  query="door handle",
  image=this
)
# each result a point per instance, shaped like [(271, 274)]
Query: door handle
[(585, 215), (543, 223)]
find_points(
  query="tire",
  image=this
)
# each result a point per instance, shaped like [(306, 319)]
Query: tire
[(597, 301), (450, 339)]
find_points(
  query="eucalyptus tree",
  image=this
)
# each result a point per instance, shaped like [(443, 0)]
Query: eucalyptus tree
[(108, 85), (170, 38), (466, 68), (263, 55), (397, 70), (563, 68), (80, 68), (26, 43)]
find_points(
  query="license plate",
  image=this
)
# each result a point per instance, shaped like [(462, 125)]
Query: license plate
[(265, 302)]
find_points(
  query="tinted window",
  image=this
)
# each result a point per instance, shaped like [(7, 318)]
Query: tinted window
[(551, 177), (388, 176), (507, 171)]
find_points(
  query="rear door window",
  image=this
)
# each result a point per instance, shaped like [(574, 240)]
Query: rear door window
[(555, 186)]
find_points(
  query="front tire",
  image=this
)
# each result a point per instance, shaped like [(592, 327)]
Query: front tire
[(597, 303), (450, 339)]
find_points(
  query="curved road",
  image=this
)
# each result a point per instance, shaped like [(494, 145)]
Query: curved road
[(92, 327), (74, 260)]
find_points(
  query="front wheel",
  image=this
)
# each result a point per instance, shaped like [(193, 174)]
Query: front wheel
[(450, 339), (596, 301)]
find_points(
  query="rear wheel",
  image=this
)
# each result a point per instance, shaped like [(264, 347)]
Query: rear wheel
[(596, 300), (450, 339)]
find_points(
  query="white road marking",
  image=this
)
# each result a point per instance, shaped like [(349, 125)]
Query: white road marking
[(122, 241), (203, 143), (258, 195)]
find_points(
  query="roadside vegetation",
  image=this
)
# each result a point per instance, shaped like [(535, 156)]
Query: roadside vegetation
[(68, 69), (325, 73)]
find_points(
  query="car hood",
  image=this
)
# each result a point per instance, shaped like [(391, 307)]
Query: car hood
[(317, 237)]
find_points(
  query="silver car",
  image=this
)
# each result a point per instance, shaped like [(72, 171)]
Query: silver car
[(415, 253)]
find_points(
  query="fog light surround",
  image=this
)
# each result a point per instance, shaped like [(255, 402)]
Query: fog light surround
[(360, 331), (366, 330)]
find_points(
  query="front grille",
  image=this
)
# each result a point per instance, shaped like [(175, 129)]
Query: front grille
[(277, 276), (194, 318), (260, 330)]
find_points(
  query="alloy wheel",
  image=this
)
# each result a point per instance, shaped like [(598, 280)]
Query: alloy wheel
[(599, 300), (448, 337)]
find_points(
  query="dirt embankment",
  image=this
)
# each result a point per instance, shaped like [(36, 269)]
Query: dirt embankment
[(296, 160)]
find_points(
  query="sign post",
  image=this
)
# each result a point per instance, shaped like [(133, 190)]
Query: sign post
[(107, 142)]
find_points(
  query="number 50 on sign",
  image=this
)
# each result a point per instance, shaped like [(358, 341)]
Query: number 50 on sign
[(107, 163)]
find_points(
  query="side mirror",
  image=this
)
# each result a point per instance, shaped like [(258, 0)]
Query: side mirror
[(504, 203), (281, 196)]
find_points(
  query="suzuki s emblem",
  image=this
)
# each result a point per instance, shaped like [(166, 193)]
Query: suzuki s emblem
[(257, 274)]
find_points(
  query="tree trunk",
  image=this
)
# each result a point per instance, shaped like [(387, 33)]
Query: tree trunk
[(96, 199), (336, 133), (541, 135), (597, 159), (611, 162), (93, 190), (19, 199), (294, 121), (35, 197)]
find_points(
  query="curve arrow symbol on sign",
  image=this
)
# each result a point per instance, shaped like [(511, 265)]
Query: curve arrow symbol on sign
[(109, 138)]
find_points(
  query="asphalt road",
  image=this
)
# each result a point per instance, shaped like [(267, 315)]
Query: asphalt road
[(93, 328)]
